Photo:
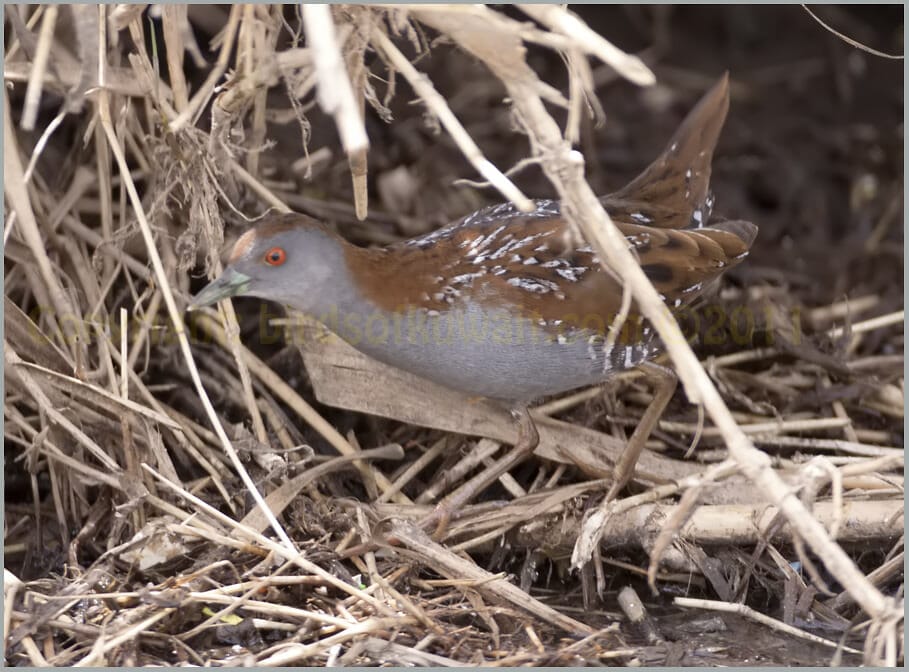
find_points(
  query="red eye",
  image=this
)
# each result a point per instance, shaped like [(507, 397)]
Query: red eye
[(275, 256)]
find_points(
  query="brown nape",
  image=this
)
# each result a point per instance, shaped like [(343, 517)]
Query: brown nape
[(243, 245)]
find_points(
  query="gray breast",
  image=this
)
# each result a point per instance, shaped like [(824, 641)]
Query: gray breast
[(489, 353)]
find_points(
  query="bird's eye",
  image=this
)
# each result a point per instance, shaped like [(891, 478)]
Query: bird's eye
[(275, 256)]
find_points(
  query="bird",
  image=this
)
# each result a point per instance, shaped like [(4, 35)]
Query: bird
[(503, 304)]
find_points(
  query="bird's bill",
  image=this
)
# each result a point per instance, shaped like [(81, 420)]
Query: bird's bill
[(230, 283)]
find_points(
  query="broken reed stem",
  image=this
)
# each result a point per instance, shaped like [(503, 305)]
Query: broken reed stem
[(204, 93), (232, 329), (173, 19), (335, 94)]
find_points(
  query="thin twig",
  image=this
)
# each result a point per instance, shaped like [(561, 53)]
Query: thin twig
[(749, 613), (849, 40)]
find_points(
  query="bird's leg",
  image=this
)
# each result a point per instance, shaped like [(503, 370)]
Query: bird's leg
[(664, 383), (527, 440)]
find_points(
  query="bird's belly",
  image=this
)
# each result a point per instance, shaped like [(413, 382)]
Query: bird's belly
[(491, 353)]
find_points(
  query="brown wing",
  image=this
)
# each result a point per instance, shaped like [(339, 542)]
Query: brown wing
[(527, 264), (499, 256)]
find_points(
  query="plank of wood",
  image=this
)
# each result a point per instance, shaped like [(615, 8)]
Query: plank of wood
[(345, 378)]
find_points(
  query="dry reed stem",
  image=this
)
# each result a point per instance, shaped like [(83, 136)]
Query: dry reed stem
[(95, 657), (287, 654), (121, 80), (897, 317), (560, 20), (39, 66), (174, 16), (17, 194), (564, 167), (204, 92), (12, 363), (77, 387), (252, 535), (336, 95), (232, 329), (23, 38), (11, 586)]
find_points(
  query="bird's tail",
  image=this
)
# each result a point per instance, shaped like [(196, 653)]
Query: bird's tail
[(674, 191)]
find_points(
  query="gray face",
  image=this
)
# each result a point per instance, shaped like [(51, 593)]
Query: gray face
[(298, 267)]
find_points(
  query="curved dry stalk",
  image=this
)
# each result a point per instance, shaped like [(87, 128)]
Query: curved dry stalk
[(30, 169), (564, 167), (855, 43), (423, 87)]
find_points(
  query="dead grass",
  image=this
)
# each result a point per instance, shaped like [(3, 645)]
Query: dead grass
[(138, 444)]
